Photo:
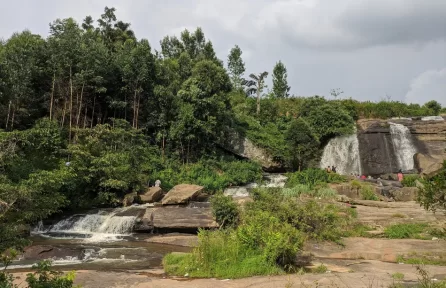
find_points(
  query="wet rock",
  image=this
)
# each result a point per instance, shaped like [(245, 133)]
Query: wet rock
[(405, 194), (153, 194), (41, 252), (129, 199), (181, 194)]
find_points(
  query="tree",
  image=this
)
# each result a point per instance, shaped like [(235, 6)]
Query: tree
[(236, 67), (433, 194), (280, 82), (255, 85), (302, 143), (434, 106)]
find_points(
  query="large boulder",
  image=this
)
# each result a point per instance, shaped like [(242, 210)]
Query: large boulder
[(427, 164), (181, 194), (347, 190), (176, 217), (405, 194), (129, 199), (240, 145), (153, 194)]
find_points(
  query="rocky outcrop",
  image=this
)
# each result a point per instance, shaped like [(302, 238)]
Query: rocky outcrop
[(153, 194), (243, 147), (129, 199), (428, 165), (41, 252), (377, 150), (176, 217), (181, 194), (404, 194)]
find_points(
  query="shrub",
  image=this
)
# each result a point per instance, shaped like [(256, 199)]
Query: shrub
[(433, 194), (410, 180), (225, 210), (261, 245), (405, 230), (367, 193), (313, 177)]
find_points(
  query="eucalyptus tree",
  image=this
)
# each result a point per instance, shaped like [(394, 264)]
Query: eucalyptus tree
[(236, 67), (280, 81)]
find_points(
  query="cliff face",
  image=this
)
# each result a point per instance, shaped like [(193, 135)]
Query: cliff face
[(378, 152)]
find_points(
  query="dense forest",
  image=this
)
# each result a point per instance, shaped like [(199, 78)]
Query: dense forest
[(91, 113)]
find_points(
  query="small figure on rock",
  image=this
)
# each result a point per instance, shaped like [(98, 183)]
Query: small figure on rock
[(157, 183), (328, 169), (333, 169)]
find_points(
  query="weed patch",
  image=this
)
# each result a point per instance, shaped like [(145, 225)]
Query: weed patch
[(405, 231)]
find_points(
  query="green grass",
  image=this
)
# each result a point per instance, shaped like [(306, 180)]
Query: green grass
[(422, 259), (358, 230), (405, 231), (306, 190), (367, 193), (321, 269)]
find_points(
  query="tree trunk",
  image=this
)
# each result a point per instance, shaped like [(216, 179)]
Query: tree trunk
[(12, 118), (71, 106), (163, 145), (258, 100), (137, 109), (80, 106), (92, 113), (134, 110), (63, 112), (7, 117), (85, 117), (52, 96)]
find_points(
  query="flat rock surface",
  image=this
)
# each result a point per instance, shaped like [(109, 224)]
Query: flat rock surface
[(181, 194), (386, 250), (177, 239), (179, 217), (153, 194), (361, 274)]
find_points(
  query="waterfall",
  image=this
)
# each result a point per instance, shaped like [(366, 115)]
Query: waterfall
[(403, 146), (343, 153), (97, 227)]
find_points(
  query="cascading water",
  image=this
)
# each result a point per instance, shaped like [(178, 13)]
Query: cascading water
[(403, 145), (270, 181), (343, 153), (98, 227)]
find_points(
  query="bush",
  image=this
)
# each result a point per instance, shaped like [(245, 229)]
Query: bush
[(225, 211), (405, 231), (313, 177), (261, 245), (433, 194), (410, 180), (367, 193), (301, 189)]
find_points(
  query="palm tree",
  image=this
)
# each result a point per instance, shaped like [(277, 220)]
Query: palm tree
[(255, 85)]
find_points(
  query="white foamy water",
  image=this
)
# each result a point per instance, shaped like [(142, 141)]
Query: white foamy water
[(432, 118), (343, 153), (99, 227), (403, 146), (271, 181)]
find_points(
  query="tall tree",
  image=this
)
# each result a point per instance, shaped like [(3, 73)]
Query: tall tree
[(236, 67), (302, 143), (255, 85), (280, 82)]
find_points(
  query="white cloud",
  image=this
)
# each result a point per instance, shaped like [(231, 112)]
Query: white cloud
[(429, 85)]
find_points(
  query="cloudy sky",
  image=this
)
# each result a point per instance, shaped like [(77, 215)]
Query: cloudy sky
[(368, 48)]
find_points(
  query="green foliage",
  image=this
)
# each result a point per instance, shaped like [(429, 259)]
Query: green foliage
[(213, 175), (302, 143), (405, 230), (313, 177), (433, 194), (321, 269), (280, 82), (410, 180), (44, 277), (434, 106), (317, 192), (236, 67), (367, 193), (225, 210)]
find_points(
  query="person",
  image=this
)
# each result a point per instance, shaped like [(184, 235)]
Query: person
[(363, 177), (370, 177), (157, 183), (328, 169), (333, 169), (400, 175)]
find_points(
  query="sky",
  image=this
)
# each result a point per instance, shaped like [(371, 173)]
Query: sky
[(370, 49)]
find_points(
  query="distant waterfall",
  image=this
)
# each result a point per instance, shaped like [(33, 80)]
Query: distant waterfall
[(403, 146), (343, 153)]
